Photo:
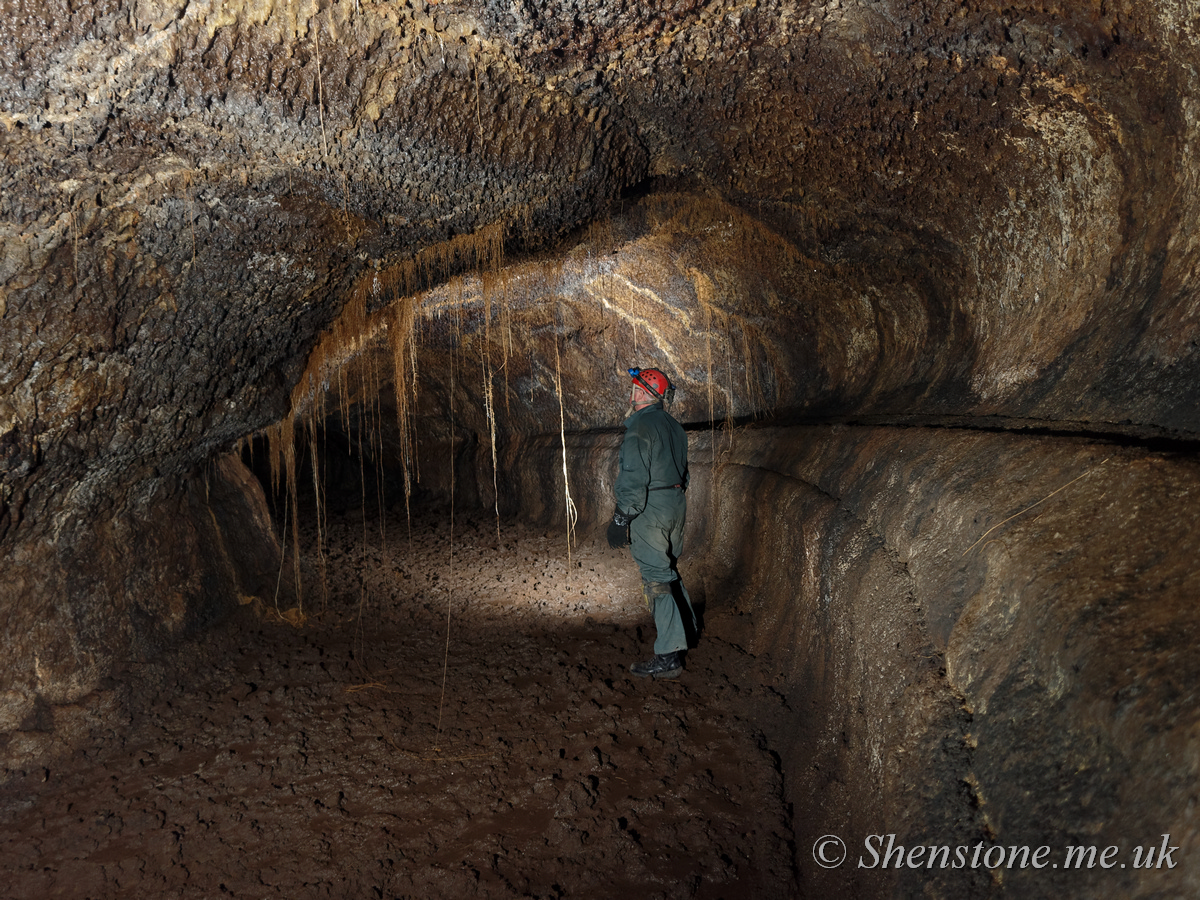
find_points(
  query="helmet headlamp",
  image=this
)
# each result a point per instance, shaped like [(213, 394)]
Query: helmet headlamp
[(655, 383)]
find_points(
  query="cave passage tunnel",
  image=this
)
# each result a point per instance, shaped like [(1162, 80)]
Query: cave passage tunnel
[(927, 278)]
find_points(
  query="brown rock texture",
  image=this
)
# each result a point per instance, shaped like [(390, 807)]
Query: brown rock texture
[(925, 272), (373, 752)]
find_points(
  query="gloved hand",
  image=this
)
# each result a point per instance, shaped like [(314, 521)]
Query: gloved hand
[(618, 530)]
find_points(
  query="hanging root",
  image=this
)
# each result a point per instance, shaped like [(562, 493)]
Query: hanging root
[(449, 594), (1032, 505), (571, 511)]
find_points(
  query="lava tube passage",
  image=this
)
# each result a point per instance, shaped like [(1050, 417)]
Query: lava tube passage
[(459, 449)]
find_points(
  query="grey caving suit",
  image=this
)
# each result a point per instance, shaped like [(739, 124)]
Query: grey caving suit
[(650, 488)]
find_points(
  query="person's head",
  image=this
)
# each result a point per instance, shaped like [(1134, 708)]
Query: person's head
[(648, 386)]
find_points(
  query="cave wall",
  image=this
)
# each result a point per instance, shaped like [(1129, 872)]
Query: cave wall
[(106, 595), (981, 636), (1027, 697), (921, 213)]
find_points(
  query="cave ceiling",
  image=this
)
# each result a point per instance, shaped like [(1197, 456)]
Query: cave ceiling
[(865, 207)]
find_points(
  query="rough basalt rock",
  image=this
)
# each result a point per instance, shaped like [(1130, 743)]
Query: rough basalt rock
[(101, 595), (902, 214), (983, 638)]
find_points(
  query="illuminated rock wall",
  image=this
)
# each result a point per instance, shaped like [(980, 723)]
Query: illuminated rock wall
[(915, 215)]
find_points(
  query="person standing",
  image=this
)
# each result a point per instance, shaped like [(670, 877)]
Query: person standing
[(650, 516)]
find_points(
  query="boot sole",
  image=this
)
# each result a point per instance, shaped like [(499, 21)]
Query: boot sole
[(670, 673)]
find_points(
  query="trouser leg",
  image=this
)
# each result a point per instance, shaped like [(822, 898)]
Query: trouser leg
[(650, 546), (669, 604), (687, 613), (656, 540)]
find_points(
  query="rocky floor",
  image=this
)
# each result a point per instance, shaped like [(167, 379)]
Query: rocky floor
[(453, 718)]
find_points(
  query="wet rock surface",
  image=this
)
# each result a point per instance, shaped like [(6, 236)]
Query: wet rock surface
[(369, 752)]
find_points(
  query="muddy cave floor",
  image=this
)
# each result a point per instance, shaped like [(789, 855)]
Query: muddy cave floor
[(375, 752)]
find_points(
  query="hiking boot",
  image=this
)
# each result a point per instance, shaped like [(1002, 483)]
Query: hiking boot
[(664, 665)]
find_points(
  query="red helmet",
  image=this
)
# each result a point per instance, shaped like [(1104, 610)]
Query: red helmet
[(653, 381)]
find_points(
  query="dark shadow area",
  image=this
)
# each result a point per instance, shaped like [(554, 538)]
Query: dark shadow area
[(349, 476)]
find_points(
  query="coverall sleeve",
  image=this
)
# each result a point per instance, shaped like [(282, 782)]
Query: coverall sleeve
[(633, 477)]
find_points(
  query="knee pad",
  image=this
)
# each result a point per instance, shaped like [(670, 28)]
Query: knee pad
[(654, 589)]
